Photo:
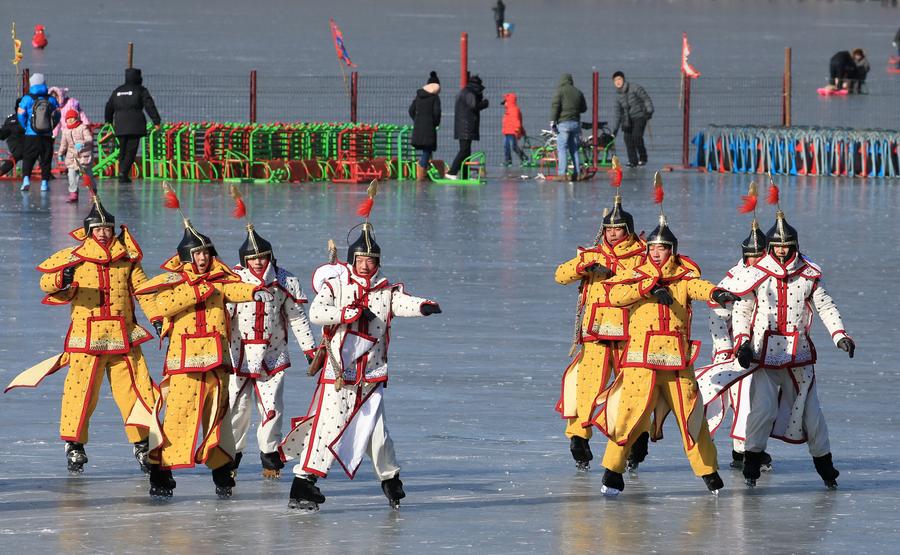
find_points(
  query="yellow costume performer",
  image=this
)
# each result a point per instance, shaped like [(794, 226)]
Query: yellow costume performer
[(657, 374), (602, 327), (97, 278)]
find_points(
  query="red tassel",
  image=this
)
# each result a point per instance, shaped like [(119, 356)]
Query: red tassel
[(658, 194), (774, 196), (615, 177), (749, 204), (365, 207), (240, 209), (171, 200)]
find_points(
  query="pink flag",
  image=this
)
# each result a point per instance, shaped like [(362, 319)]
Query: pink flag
[(339, 44), (686, 66)]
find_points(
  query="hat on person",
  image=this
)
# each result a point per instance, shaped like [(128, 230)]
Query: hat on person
[(36, 79), (618, 74), (433, 78)]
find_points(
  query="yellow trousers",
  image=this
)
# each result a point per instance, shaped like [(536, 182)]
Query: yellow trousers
[(196, 402), (128, 378), (645, 390), (599, 362)]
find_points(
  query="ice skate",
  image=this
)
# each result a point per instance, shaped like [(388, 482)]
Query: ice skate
[(765, 465), (713, 483), (826, 470), (75, 457), (613, 484), (161, 482), (223, 478), (393, 490), (141, 449), (305, 495), (581, 452), (638, 453), (752, 464), (272, 465), (236, 463), (737, 460)]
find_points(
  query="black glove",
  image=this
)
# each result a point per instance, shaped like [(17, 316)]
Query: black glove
[(847, 344), (157, 325), (68, 275), (723, 297), (368, 314), (596, 268), (745, 355), (661, 292), (428, 309)]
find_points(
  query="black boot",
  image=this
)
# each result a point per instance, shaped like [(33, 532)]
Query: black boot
[(236, 462), (75, 457), (305, 495), (766, 462), (737, 460), (272, 465), (393, 490), (752, 464), (581, 452), (161, 482), (713, 483), (6, 167), (223, 478), (613, 483), (638, 452), (826, 470), (141, 450)]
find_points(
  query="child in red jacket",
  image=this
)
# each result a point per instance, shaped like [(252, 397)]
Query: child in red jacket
[(512, 129)]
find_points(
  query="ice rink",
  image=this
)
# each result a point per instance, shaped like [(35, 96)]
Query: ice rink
[(470, 402)]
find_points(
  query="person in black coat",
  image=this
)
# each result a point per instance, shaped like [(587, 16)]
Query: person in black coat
[(841, 69), (125, 111), (467, 121), (425, 111), (14, 135)]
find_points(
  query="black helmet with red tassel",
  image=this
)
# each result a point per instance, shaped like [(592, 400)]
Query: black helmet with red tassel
[(98, 216), (192, 241), (662, 235), (365, 244), (255, 245), (755, 243), (781, 234), (617, 217)]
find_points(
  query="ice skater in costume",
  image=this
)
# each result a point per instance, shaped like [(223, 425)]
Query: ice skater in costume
[(97, 279), (771, 329), (600, 327), (259, 346), (191, 295), (735, 391), (656, 375), (346, 420)]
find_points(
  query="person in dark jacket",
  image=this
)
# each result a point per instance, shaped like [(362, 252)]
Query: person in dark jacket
[(841, 69), (565, 118), (499, 17), (425, 111), (38, 144), (14, 135), (861, 70), (125, 111), (633, 110), (467, 121), (896, 44)]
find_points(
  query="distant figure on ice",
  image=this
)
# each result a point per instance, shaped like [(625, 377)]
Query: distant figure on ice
[(467, 121), (499, 17), (633, 110), (39, 39), (565, 118), (66, 103), (512, 129), (425, 112), (76, 150), (125, 111), (38, 114), (841, 71), (861, 70), (14, 134), (896, 44)]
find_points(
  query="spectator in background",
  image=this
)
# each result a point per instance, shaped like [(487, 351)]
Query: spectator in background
[(14, 135), (499, 17), (862, 69), (512, 129), (841, 69), (38, 114), (897, 46), (66, 103), (467, 121), (633, 110), (125, 111), (565, 118), (425, 111), (76, 149)]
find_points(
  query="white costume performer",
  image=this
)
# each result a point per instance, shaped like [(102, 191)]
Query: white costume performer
[(259, 349)]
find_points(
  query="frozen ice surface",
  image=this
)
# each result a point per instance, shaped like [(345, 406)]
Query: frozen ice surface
[(470, 404)]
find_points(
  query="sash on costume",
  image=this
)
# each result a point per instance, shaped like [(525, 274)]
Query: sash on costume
[(34, 375), (351, 444)]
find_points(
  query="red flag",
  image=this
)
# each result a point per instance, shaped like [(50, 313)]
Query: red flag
[(686, 67), (339, 47)]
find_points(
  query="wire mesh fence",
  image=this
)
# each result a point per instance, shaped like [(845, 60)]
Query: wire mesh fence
[(386, 99)]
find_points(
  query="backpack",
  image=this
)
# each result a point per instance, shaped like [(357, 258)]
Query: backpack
[(42, 114)]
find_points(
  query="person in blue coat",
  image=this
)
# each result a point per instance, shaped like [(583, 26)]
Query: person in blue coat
[(38, 114)]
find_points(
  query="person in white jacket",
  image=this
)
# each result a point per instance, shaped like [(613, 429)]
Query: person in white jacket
[(259, 350), (356, 306), (771, 329)]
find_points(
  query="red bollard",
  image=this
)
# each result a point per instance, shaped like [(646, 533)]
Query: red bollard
[(463, 60)]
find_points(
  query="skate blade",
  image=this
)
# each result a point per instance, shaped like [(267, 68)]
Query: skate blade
[(224, 493), (269, 474), (582, 466), (303, 506), (715, 492), (751, 483), (394, 503), (160, 494), (766, 468), (609, 492), (75, 469), (832, 485), (632, 468)]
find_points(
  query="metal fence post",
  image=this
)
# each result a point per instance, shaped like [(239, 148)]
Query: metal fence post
[(787, 89), (686, 131), (253, 96), (130, 55), (463, 60), (595, 116), (354, 94), (26, 76)]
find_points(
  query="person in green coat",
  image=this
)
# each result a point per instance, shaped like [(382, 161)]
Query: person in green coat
[(565, 119)]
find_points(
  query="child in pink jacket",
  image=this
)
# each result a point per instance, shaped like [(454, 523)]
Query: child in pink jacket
[(76, 147)]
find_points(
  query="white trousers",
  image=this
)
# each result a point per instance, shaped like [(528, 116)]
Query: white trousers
[(335, 409), (267, 393), (784, 404)]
